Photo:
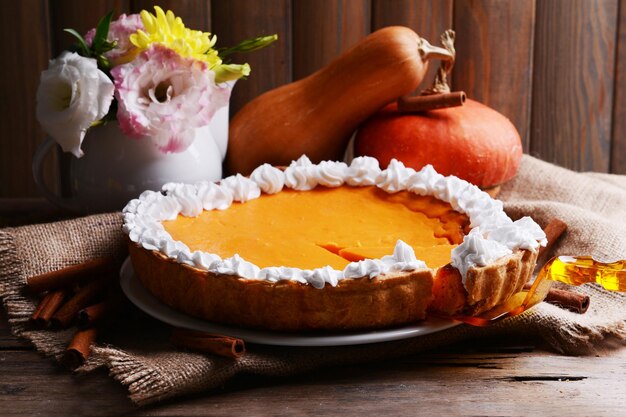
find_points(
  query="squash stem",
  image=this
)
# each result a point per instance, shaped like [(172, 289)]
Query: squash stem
[(440, 85), (428, 51)]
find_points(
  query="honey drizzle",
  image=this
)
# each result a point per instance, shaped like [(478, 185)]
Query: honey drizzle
[(567, 269), (584, 269)]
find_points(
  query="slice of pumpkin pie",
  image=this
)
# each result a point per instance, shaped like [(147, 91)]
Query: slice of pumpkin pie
[(328, 246)]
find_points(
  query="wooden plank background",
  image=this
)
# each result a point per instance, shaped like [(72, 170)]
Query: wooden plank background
[(556, 68)]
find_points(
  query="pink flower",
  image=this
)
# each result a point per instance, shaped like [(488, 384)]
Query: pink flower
[(166, 97), (120, 31)]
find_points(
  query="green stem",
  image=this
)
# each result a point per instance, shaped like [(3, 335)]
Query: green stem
[(248, 45)]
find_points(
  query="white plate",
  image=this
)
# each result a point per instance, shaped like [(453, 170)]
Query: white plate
[(140, 296)]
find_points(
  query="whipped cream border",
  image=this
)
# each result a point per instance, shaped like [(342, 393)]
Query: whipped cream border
[(493, 234)]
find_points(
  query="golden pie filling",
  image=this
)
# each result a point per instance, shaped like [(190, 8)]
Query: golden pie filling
[(325, 226)]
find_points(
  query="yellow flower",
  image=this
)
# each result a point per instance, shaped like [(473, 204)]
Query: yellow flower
[(170, 31)]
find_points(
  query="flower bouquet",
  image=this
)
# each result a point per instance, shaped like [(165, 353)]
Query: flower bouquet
[(149, 72)]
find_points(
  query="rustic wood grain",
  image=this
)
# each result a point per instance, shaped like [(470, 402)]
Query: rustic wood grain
[(196, 14), (494, 45), (520, 379), (237, 20), (428, 19), (33, 385), (25, 29), (485, 383), (323, 29), (618, 148), (573, 82), (73, 14)]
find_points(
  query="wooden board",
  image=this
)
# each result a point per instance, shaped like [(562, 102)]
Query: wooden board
[(323, 29), (237, 20), (23, 62), (618, 149), (494, 43), (429, 19), (572, 83)]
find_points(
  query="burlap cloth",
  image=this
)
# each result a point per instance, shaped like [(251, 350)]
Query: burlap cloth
[(138, 355)]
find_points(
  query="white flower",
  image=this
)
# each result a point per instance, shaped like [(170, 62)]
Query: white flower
[(73, 93), (166, 97)]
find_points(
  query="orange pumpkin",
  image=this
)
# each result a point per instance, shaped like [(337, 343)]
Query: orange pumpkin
[(473, 141)]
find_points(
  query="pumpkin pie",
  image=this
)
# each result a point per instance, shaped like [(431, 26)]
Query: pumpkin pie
[(328, 246)]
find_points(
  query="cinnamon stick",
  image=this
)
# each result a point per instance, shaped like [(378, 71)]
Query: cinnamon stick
[(220, 345), (71, 275), (414, 104), (85, 296), (94, 314), (48, 306), (569, 300), (578, 303), (41, 306), (554, 230), (79, 348)]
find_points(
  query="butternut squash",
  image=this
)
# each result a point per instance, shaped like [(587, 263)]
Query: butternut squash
[(317, 115)]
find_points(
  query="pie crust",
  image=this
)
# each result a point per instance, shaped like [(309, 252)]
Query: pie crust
[(362, 303)]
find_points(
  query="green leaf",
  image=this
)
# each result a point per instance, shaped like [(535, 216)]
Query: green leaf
[(248, 45), (102, 33), (82, 44)]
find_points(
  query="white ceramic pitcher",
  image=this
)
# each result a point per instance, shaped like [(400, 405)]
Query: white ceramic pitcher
[(116, 168)]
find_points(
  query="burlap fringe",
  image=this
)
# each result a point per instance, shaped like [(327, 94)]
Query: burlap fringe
[(149, 382), (17, 306)]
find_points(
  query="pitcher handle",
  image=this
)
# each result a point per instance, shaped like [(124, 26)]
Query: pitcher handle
[(40, 154)]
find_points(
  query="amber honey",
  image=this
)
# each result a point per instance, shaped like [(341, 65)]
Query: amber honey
[(584, 269)]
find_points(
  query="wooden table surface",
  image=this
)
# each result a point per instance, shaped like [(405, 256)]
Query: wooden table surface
[(487, 378), (495, 377)]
